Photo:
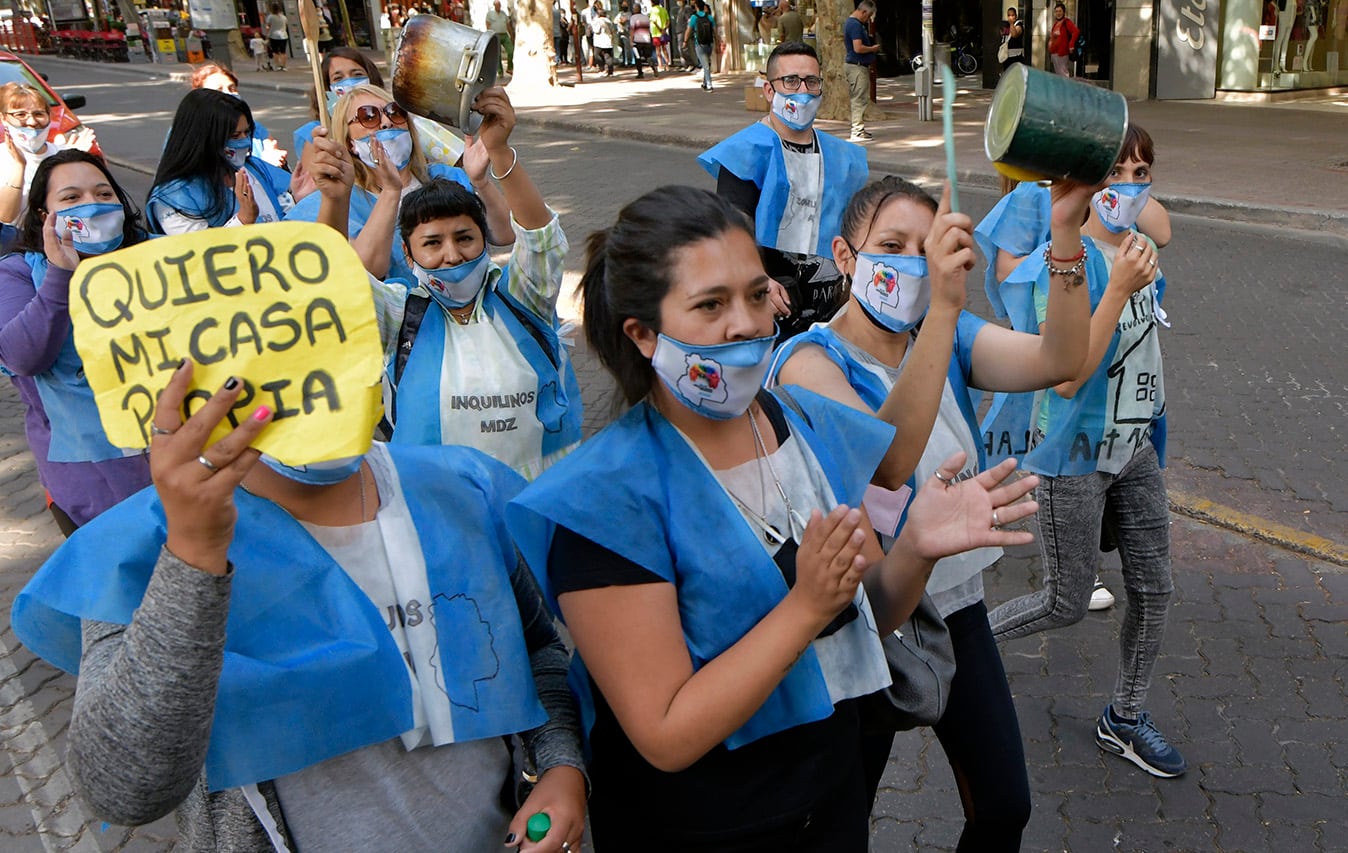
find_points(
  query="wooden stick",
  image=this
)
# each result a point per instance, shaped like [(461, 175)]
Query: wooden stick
[(309, 23)]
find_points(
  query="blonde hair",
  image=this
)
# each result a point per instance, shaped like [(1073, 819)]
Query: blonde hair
[(341, 134)]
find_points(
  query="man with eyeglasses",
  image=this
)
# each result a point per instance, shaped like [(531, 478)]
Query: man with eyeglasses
[(794, 182)]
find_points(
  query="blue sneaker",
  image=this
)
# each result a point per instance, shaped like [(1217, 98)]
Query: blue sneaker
[(1141, 743)]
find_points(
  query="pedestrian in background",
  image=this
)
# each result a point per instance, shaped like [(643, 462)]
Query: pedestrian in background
[(1013, 37), (790, 25), (500, 22), (257, 45), (82, 472), (622, 25), (601, 29), (861, 50), (659, 16), (678, 39), (278, 36), (701, 33), (639, 25), (1062, 38), (561, 31)]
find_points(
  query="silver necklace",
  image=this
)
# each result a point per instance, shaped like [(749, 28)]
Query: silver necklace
[(771, 534)]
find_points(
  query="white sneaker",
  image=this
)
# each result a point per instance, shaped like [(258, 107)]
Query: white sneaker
[(1101, 597)]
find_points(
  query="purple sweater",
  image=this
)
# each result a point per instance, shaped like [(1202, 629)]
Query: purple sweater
[(34, 324)]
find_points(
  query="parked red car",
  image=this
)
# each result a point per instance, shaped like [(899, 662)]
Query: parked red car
[(63, 118)]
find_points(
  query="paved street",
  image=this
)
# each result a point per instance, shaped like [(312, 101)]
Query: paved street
[(1252, 682)]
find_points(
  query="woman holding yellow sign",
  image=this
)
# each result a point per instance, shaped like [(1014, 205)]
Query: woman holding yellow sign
[(292, 656), (77, 210)]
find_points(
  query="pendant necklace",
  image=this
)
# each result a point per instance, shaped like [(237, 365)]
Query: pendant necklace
[(771, 533)]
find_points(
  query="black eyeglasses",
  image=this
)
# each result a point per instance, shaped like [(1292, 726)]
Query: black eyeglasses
[(791, 82), (371, 117)]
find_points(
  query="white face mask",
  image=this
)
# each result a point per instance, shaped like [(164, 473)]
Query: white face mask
[(93, 228), (397, 144), (454, 286), (796, 110), (30, 139), (715, 381), (895, 290), (1119, 205)]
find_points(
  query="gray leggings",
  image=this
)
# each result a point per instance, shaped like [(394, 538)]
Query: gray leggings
[(1132, 508)]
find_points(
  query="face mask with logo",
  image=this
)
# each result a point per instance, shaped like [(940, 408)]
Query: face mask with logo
[(796, 110), (341, 87), (454, 286), (237, 151), (30, 139), (1119, 205), (318, 473), (397, 144), (894, 290), (93, 228), (718, 381)]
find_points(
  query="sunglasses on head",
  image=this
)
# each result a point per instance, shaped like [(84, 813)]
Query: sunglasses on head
[(371, 117)]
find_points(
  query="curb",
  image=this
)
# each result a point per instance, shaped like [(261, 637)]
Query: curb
[(1295, 218), (1262, 529)]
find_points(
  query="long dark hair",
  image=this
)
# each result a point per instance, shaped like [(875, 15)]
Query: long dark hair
[(195, 148), (627, 272), (30, 226)]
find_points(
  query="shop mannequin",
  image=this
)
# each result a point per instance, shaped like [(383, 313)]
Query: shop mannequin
[(1287, 14), (1314, 20)]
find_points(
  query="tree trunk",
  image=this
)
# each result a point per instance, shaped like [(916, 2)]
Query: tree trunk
[(535, 68), (828, 23)]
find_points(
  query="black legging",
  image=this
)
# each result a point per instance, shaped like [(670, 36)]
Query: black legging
[(981, 738)]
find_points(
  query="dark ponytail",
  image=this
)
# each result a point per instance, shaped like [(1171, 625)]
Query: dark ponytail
[(628, 272), (867, 201)]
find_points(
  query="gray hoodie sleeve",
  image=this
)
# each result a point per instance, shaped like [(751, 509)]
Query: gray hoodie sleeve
[(556, 742), (146, 696)]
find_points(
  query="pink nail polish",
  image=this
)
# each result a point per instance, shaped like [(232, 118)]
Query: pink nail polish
[(261, 413)]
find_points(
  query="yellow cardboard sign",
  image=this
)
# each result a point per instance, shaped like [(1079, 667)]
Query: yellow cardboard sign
[(284, 306)]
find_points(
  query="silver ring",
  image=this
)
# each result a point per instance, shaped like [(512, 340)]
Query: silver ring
[(1153, 262), (208, 464), (947, 481), (1139, 247), (996, 524), (374, 161), (156, 429), (566, 846)]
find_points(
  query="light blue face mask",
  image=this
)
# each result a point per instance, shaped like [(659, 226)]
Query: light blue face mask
[(341, 87), (397, 144), (454, 286), (717, 381), (796, 110), (894, 290), (318, 473), (1119, 205), (237, 151), (93, 228)]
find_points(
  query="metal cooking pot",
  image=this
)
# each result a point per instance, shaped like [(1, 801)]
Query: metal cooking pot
[(440, 67)]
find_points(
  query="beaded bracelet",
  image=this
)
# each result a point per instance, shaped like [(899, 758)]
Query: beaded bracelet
[(515, 158), (1074, 270)]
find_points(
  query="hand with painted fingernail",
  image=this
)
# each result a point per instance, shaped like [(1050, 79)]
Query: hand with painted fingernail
[(196, 482)]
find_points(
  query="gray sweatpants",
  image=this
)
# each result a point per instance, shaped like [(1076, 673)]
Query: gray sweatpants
[(1133, 510)]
